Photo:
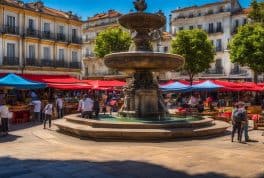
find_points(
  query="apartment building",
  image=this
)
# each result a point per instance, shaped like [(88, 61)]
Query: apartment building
[(94, 67), (37, 39), (221, 21)]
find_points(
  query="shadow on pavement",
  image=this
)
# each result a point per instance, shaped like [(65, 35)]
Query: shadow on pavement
[(8, 138), (10, 167)]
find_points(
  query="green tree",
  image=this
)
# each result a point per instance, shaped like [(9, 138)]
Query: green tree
[(112, 40), (197, 50), (247, 47), (256, 13)]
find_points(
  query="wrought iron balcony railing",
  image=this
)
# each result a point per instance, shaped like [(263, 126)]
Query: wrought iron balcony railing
[(11, 61)]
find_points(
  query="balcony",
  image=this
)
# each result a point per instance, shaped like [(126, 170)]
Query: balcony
[(32, 33), (31, 62), (215, 71), (75, 65), (47, 63), (7, 29), (61, 63), (61, 37), (47, 35), (218, 30), (89, 55), (75, 39), (11, 61), (238, 71)]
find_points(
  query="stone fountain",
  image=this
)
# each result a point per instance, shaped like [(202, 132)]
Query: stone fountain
[(144, 109), (142, 95)]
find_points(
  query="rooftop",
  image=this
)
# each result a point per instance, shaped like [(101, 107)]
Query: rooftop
[(104, 15), (202, 6), (39, 6)]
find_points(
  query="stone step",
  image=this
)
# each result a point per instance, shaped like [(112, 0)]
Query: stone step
[(86, 131), (139, 125)]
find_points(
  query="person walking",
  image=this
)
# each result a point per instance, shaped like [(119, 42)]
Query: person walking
[(245, 126), (48, 110), (87, 107), (59, 106), (4, 112), (37, 109), (80, 106), (238, 116), (96, 107)]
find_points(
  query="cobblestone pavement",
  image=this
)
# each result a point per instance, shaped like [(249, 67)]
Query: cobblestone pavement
[(32, 152)]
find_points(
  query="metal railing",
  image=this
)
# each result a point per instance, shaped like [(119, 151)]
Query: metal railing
[(31, 62), (61, 37), (61, 63), (75, 65), (218, 70), (47, 63), (47, 35), (238, 71), (11, 61), (75, 39), (11, 29), (32, 33)]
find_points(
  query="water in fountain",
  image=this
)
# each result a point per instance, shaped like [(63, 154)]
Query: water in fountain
[(142, 95)]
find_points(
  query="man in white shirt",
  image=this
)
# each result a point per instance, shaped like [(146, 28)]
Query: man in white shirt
[(48, 110), (4, 112), (59, 106), (37, 109), (87, 107)]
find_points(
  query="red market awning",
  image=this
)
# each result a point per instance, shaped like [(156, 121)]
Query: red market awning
[(52, 78), (167, 83), (69, 86), (97, 84)]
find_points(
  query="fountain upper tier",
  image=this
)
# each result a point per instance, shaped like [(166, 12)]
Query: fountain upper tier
[(141, 60), (141, 20)]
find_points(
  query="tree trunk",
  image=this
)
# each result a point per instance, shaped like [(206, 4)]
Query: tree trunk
[(255, 77), (191, 79)]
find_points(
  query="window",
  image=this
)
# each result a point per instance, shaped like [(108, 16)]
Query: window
[(74, 56), (61, 29), (46, 51), (218, 66), (236, 23), (191, 27), (10, 50), (31, 51), (61, 54), (31, 24), (74, 33), (244, 21), (218, 45), (11, 21), (47, 27), (180, 28), (219, 27), (211, 28), (200, 26)]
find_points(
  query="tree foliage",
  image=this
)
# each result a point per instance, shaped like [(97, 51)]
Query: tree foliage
[(256, 13), (197, 50), (247, 47), (112, 40)]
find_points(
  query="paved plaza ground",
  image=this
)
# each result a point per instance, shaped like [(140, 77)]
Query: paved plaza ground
[(33, 152)]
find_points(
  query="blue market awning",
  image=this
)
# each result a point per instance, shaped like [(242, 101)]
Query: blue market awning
[(176, 86), (206, 86), (17, 82)]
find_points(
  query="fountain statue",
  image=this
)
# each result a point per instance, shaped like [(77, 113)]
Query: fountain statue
[(142, 95)]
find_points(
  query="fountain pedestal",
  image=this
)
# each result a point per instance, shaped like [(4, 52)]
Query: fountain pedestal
[(146, 102)]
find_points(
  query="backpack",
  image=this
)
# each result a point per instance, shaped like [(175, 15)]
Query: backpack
[(239, 115)]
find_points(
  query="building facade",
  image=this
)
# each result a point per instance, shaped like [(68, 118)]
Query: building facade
[(94, 67), (37, 39), (221, 21)]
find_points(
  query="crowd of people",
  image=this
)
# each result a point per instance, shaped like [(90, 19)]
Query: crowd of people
[(90, 105)]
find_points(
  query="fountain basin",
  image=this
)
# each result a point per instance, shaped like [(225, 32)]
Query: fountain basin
[(135, 21), (139, 60)]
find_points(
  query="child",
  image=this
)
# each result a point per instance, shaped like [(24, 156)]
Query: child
[(48, 110)]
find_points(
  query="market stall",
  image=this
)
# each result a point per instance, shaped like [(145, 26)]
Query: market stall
[(20, 109)]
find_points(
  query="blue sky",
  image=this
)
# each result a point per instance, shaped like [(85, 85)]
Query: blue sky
[(85, 8)]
